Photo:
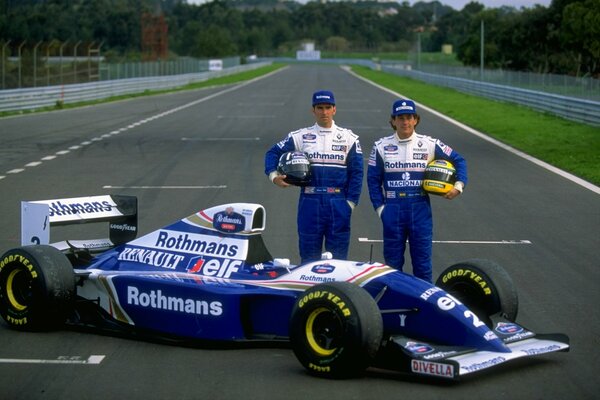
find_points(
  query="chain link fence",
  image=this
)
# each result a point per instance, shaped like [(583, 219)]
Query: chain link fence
[(32, 65)]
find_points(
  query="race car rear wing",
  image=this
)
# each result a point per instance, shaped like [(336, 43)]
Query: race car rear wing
[(118, 210)]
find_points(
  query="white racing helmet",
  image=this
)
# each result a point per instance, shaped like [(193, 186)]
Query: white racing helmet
[(439, 178), (296, 166)]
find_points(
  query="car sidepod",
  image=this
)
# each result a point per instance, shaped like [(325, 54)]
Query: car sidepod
[(190, 307)]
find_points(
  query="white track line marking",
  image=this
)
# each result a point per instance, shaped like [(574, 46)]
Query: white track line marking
[(143, 121), (219, 139), (91, 360), (245, 116), (509, 241), (165, 187), (248, 103)]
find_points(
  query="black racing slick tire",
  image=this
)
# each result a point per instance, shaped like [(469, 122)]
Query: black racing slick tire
[(336, 330), (37, 287), (483, 286)]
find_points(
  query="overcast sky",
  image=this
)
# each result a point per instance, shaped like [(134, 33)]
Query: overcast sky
[(459, 4)]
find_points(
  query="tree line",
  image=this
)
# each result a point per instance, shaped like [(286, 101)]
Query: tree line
[(563, 38)]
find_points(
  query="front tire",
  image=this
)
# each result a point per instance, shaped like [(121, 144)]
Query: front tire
[(336, 330), (483, 286), (37, 287)]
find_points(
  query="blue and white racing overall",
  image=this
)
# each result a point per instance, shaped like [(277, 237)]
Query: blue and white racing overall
[(325, 206), (394, 177)]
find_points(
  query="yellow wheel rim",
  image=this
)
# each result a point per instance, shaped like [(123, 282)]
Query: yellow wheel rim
[(310, 333), (10, 293)]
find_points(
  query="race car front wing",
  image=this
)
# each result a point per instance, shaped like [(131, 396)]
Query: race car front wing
[(404, 354)]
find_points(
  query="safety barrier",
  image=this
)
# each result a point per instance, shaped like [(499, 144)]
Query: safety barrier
[(572, 108), (49, 96)]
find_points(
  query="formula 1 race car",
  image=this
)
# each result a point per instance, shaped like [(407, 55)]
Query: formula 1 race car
[(209, 277)]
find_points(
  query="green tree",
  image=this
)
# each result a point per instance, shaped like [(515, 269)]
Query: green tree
[(580, 30), (469, 42), (336, 43), (213, 41), (561, 38)]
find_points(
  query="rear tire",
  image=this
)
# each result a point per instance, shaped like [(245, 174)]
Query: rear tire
[(336, 330), (483, 286), (37, 287)]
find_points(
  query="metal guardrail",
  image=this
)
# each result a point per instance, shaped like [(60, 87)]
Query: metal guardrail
[(580, 110), (49, 96), (572, 108)]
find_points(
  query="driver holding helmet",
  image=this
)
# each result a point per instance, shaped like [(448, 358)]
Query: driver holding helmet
[(334, 186), (396, 170)]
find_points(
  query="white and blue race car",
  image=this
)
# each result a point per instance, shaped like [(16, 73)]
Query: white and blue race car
[(210, 278)]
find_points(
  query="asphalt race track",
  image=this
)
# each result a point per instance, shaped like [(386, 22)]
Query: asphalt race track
[(182, 152)]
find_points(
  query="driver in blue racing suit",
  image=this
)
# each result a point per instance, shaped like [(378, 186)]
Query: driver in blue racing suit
[(395, 174), (325, 205)]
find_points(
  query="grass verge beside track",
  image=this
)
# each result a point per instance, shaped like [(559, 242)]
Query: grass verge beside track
[(568, 145)]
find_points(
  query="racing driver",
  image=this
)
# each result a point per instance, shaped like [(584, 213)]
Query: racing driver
[(395, 174), (325, 205)]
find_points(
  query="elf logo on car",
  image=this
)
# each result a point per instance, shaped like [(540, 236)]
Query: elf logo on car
[(157, 300), (213, 267), (432, 368), (447, 302)]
